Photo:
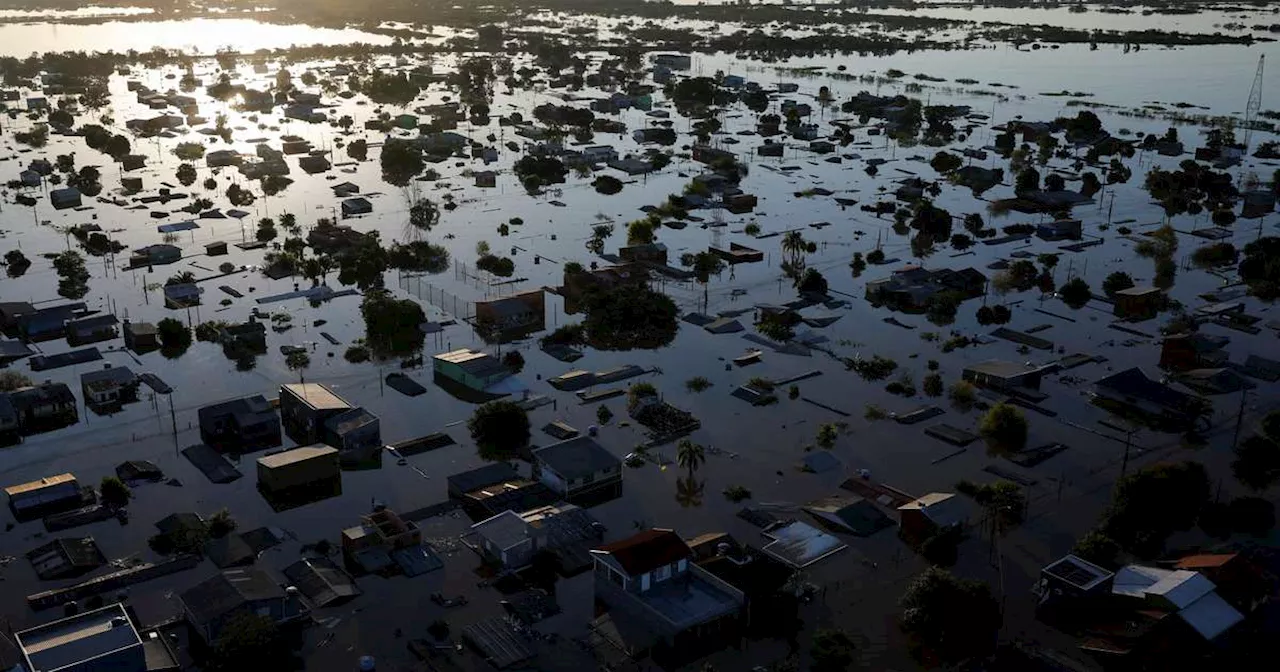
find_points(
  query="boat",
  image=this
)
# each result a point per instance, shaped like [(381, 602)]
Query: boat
[(751, 357)]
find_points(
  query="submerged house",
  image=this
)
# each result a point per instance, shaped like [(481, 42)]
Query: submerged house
[(306, 407), (212, 604), (670, 605), (1133, 391), (240, 424), (579, 470), (44, 406), (109, 388), (514, 316), (476, 371), (909, 289)]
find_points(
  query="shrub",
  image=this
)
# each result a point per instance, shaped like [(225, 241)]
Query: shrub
[(697, 384), (1076, 293), (933, 385), (736, 493), (1117, 281), (1004, 428), (963, 395), (115, 493)]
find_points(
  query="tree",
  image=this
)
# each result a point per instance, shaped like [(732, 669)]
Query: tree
[(640, 231), (812, 282), (828, 434), (175, 337), (1004, 428), (1028, 181), (690, 455), (221, 524), (401, 162), (932, 385), (115, 493), (1154, 502), (1054, 182), (186, 174), (1257, 462), (1260, 268), (705, 265), (949, 619), (1099, 549), (831, 651), (793, 243), (345, 122), (118, 147), (1076, 293), (424, 215), (250, 642), (500, 430), (391, 325), (13, 380), (1117, 281), (189, 151), (945, 162), (627, 317)]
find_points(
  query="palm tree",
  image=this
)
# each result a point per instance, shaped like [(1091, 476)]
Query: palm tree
[(689, 491), (794, 245), (690, 455), (183, 278), (705, 265)]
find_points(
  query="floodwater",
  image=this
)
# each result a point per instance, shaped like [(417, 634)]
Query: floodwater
[(757, 446), (91, 11), (197, 36)]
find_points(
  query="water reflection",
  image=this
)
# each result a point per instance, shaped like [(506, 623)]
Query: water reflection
[(203, 36)]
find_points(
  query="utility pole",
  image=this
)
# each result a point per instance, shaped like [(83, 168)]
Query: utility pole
[(1235, 438)]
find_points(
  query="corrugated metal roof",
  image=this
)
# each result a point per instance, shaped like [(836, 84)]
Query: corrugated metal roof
[(47, 482)]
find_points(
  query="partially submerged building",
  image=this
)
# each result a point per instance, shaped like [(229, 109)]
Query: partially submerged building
[(471, 370), (910, 289), (300, 470), (306, 407), (672, 606), (101, 640), (512, 316), (47, 494), (240, 424), (579, 470), (1161, 404), (211, 605), (926, 516)]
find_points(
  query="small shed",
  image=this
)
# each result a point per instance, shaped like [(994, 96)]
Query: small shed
[(1138, 303), (352, 207), (68, 197), (215, 249)]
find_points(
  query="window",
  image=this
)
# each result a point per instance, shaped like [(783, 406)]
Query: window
[(586, 480), (662, 573), (682, 565)]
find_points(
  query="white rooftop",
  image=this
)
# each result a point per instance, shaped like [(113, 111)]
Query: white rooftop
[(800, 544)]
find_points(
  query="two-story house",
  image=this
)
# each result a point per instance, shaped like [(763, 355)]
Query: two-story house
[(650, 581), (579, 470)]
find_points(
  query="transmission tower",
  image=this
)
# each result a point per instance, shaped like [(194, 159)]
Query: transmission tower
[(1255, 104)]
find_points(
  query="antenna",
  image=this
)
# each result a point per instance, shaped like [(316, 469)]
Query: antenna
[(1255, 103)]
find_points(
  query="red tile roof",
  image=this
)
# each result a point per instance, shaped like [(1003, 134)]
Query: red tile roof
[(647, 551), (1205, 560)]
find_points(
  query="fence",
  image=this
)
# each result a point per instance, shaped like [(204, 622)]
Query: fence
[(435, 296)]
